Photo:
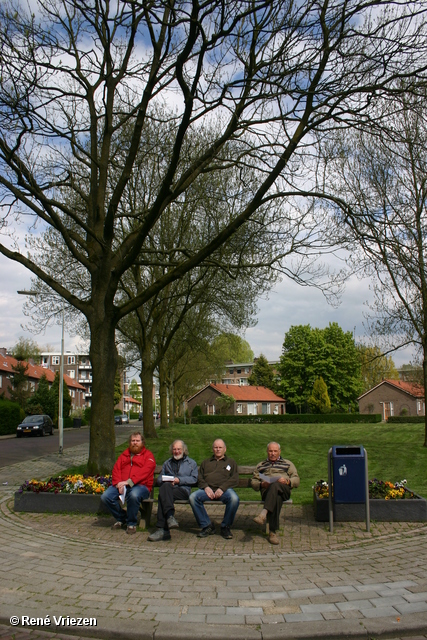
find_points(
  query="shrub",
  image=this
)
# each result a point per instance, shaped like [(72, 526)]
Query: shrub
[(10, 416), (292, 418), (403, 419), (197, 411)]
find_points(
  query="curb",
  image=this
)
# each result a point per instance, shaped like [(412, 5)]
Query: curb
[(386, 628)]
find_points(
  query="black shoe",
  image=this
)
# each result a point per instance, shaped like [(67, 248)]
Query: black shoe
[(226, 533), (207, 531)]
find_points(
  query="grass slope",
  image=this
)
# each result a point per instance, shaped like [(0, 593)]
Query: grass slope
[(394, 452)]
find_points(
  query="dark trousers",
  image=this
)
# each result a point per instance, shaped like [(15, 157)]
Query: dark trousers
[(168, 493), (273, 498)]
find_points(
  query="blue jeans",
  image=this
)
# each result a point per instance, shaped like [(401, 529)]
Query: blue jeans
[(134, 495), (229, 498)]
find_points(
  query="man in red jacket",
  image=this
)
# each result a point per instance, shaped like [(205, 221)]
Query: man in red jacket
[(132, 481)]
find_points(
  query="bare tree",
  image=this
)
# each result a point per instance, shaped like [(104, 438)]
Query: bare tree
[(81, 83), (383, 181)]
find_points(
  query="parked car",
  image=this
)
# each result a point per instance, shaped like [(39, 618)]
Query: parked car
[(38, 425), (140, 416), (123, 419)]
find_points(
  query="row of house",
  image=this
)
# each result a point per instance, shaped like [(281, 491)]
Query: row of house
[(389, 398), (34, 373), (77, 377)]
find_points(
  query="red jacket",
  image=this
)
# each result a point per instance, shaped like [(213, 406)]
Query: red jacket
[(140, 469)]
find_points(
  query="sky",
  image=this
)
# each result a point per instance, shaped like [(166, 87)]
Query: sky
[(288, 304)]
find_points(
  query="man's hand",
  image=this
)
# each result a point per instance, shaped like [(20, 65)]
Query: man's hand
[(175, 481), (210, 493), (218, 493), (120, 485), (265, 484), (284, 481)]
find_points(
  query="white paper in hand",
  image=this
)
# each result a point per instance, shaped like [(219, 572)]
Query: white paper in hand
[(122, 496)]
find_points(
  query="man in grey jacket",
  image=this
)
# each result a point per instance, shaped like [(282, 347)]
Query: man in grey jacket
[(179, 474)]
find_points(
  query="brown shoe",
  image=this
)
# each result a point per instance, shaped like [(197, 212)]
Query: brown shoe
[(272, 538), (131, 530), (119, 525), (261, 519)]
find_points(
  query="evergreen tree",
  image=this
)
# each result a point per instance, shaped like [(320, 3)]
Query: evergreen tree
[(262, 374), (20, 391), (319, 400), (54, 399), (42, 401)]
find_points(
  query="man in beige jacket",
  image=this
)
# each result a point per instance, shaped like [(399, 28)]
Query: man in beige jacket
[(275, 477)]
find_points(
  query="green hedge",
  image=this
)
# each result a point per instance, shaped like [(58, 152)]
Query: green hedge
[(289, 418), (406, 419), (10, 417)]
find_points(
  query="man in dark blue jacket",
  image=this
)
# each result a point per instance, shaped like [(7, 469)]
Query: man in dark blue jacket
[(179, 474)]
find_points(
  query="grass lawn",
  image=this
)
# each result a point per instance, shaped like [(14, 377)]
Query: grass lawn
[(394, 452)]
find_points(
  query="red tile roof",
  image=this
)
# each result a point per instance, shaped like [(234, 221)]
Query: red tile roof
[(412, 388), (35, 372), (247, 393)]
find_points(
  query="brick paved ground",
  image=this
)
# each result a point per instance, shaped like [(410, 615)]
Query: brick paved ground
[(314, 584)]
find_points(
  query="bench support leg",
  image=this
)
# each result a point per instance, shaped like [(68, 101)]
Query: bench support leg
[(146, 508)]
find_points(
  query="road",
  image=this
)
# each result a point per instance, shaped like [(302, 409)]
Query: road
[(14, 450)]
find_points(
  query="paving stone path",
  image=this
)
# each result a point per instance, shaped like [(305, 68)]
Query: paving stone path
[(314, 584)]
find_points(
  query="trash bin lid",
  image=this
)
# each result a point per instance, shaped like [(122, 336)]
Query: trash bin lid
[(348, 450)]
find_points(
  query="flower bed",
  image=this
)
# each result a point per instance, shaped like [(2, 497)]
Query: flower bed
[(388, 502), (70, 494), (68, 484)]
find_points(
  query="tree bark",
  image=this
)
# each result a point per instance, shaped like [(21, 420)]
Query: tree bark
[(163, 396), (146, 376), (104, 360)]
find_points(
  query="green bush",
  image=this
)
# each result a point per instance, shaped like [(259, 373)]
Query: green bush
[(197, 411), (406, 419), (86, 415), (289, 418), (10, 416), (133, 415)]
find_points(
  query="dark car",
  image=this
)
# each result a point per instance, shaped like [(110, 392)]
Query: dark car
[(140, 416), (37, 425), (123, 419)]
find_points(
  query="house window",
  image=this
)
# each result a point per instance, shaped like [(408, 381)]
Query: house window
[(266, 408), (239, 408), (246, 369), (252, 408), (72, 393), (276, 410), (243, 381), (420, 408), (72, 373), (55, 359), (45, 361), (1, 382), (71, 360), (231, 372), (238, 371)]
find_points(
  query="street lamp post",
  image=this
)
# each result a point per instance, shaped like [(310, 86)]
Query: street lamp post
[(61, 379)]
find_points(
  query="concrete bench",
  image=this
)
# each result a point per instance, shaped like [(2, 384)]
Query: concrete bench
[(146, 507)]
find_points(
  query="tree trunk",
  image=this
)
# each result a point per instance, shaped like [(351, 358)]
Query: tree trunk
[(425, 394), (146, 376), (163, 396), (104, 360), (171, 402)]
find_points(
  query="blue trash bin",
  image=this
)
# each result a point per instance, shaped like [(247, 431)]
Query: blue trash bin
[(349, 473)]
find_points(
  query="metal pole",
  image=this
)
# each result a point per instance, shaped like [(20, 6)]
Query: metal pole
[(367, 506), (331, 508), (61, 392)]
